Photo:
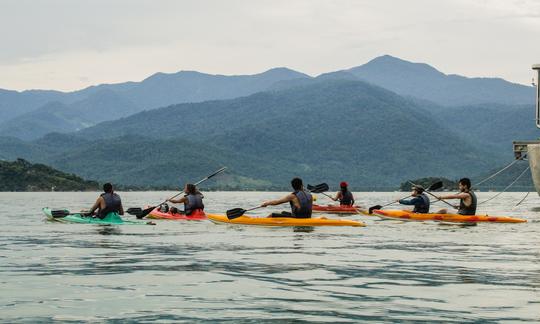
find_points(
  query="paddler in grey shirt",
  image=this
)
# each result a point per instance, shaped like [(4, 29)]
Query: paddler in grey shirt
[(107, 202)]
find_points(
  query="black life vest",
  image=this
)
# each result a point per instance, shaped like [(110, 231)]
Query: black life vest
[(112, 204), (193, 203), (422, 208), (346, 198), (468, 210), (305, 200)]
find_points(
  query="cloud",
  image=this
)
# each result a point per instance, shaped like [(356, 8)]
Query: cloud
[(50, 44)]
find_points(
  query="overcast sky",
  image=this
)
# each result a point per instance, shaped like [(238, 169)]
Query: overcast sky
[(71, 44)]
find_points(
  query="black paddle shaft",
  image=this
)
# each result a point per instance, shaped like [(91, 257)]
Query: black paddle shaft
[(147, 211), (435, 186), (237, 212)]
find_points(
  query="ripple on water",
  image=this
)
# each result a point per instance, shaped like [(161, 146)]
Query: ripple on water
[(198, 271)]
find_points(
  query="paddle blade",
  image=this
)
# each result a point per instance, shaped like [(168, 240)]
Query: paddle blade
[(145, 212), (135, 211), (372, 208), (320, 188), (59, 213), (436, 186), (235, 213)]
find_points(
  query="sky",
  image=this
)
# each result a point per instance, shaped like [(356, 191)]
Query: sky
[(71, 44)]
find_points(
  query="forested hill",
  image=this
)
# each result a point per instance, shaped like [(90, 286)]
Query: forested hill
[(21, 175), (31, 114), (328, 130)]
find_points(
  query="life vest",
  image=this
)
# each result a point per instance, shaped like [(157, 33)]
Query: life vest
[(193, 203), (422, 208), (304, 198), (468, 210), (112, 204), (346, 198)]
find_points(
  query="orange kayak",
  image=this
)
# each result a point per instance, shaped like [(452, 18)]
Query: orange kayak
[(454, 218), (336, 209), (157, 214), (282, 221)]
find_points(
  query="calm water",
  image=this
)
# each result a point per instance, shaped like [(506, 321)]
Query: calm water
[(198, 271)]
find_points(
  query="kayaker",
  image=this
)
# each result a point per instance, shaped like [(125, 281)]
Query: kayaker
[(301, 201), (420, 200), (192, 200), (107, 202), (344, 196), (467, 198)]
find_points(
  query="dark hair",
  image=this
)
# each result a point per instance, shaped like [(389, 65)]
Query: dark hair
[(191, 189), (296, 183), (107, 187), (418, 189), (465, 182)]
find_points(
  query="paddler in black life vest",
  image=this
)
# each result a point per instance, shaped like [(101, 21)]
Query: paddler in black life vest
[(467, 198), (301, 201), (420, 200), (192, 200), (344, 196), (107, 202)]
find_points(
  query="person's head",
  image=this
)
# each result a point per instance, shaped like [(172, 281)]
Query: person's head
[(464, 184), (107, 187), (190, 189), (417, 190), (296, 183), (343, 186)]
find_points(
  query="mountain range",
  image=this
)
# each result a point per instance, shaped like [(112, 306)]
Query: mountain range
[(353, 124), (32, 114)]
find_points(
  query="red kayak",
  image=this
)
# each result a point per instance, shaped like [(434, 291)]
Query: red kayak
[(337, 209), (196, 215)]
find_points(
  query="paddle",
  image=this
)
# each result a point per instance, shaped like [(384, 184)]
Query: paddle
[(429, 193), (142, 213), (433, 187), (60, 213), (320, 188), (323, 194), (312, 187), (134, 211), (237, 212)]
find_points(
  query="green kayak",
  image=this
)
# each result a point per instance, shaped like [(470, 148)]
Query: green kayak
[(65, 216)]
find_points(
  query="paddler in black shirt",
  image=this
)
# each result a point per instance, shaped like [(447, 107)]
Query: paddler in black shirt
[(344, 196), (467, 198), (301, 201), (107, 202)]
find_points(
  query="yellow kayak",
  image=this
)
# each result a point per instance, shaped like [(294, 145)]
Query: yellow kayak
[(282, 221), (456, 218)]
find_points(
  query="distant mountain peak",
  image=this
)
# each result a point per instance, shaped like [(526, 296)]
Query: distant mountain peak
[(391, 62), (283, 71), (423, 81)]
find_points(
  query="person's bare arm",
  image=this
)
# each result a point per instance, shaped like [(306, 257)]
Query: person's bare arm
[(178, 201), (283, 200), (337, 197), (121, 211), (462, 195), (96, 205)]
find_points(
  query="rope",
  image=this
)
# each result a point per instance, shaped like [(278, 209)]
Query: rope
[(496, 173), (522, 200), (507, 187)]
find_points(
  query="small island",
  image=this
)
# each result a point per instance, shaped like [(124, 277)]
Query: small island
[(21, 175), (426, 182)]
